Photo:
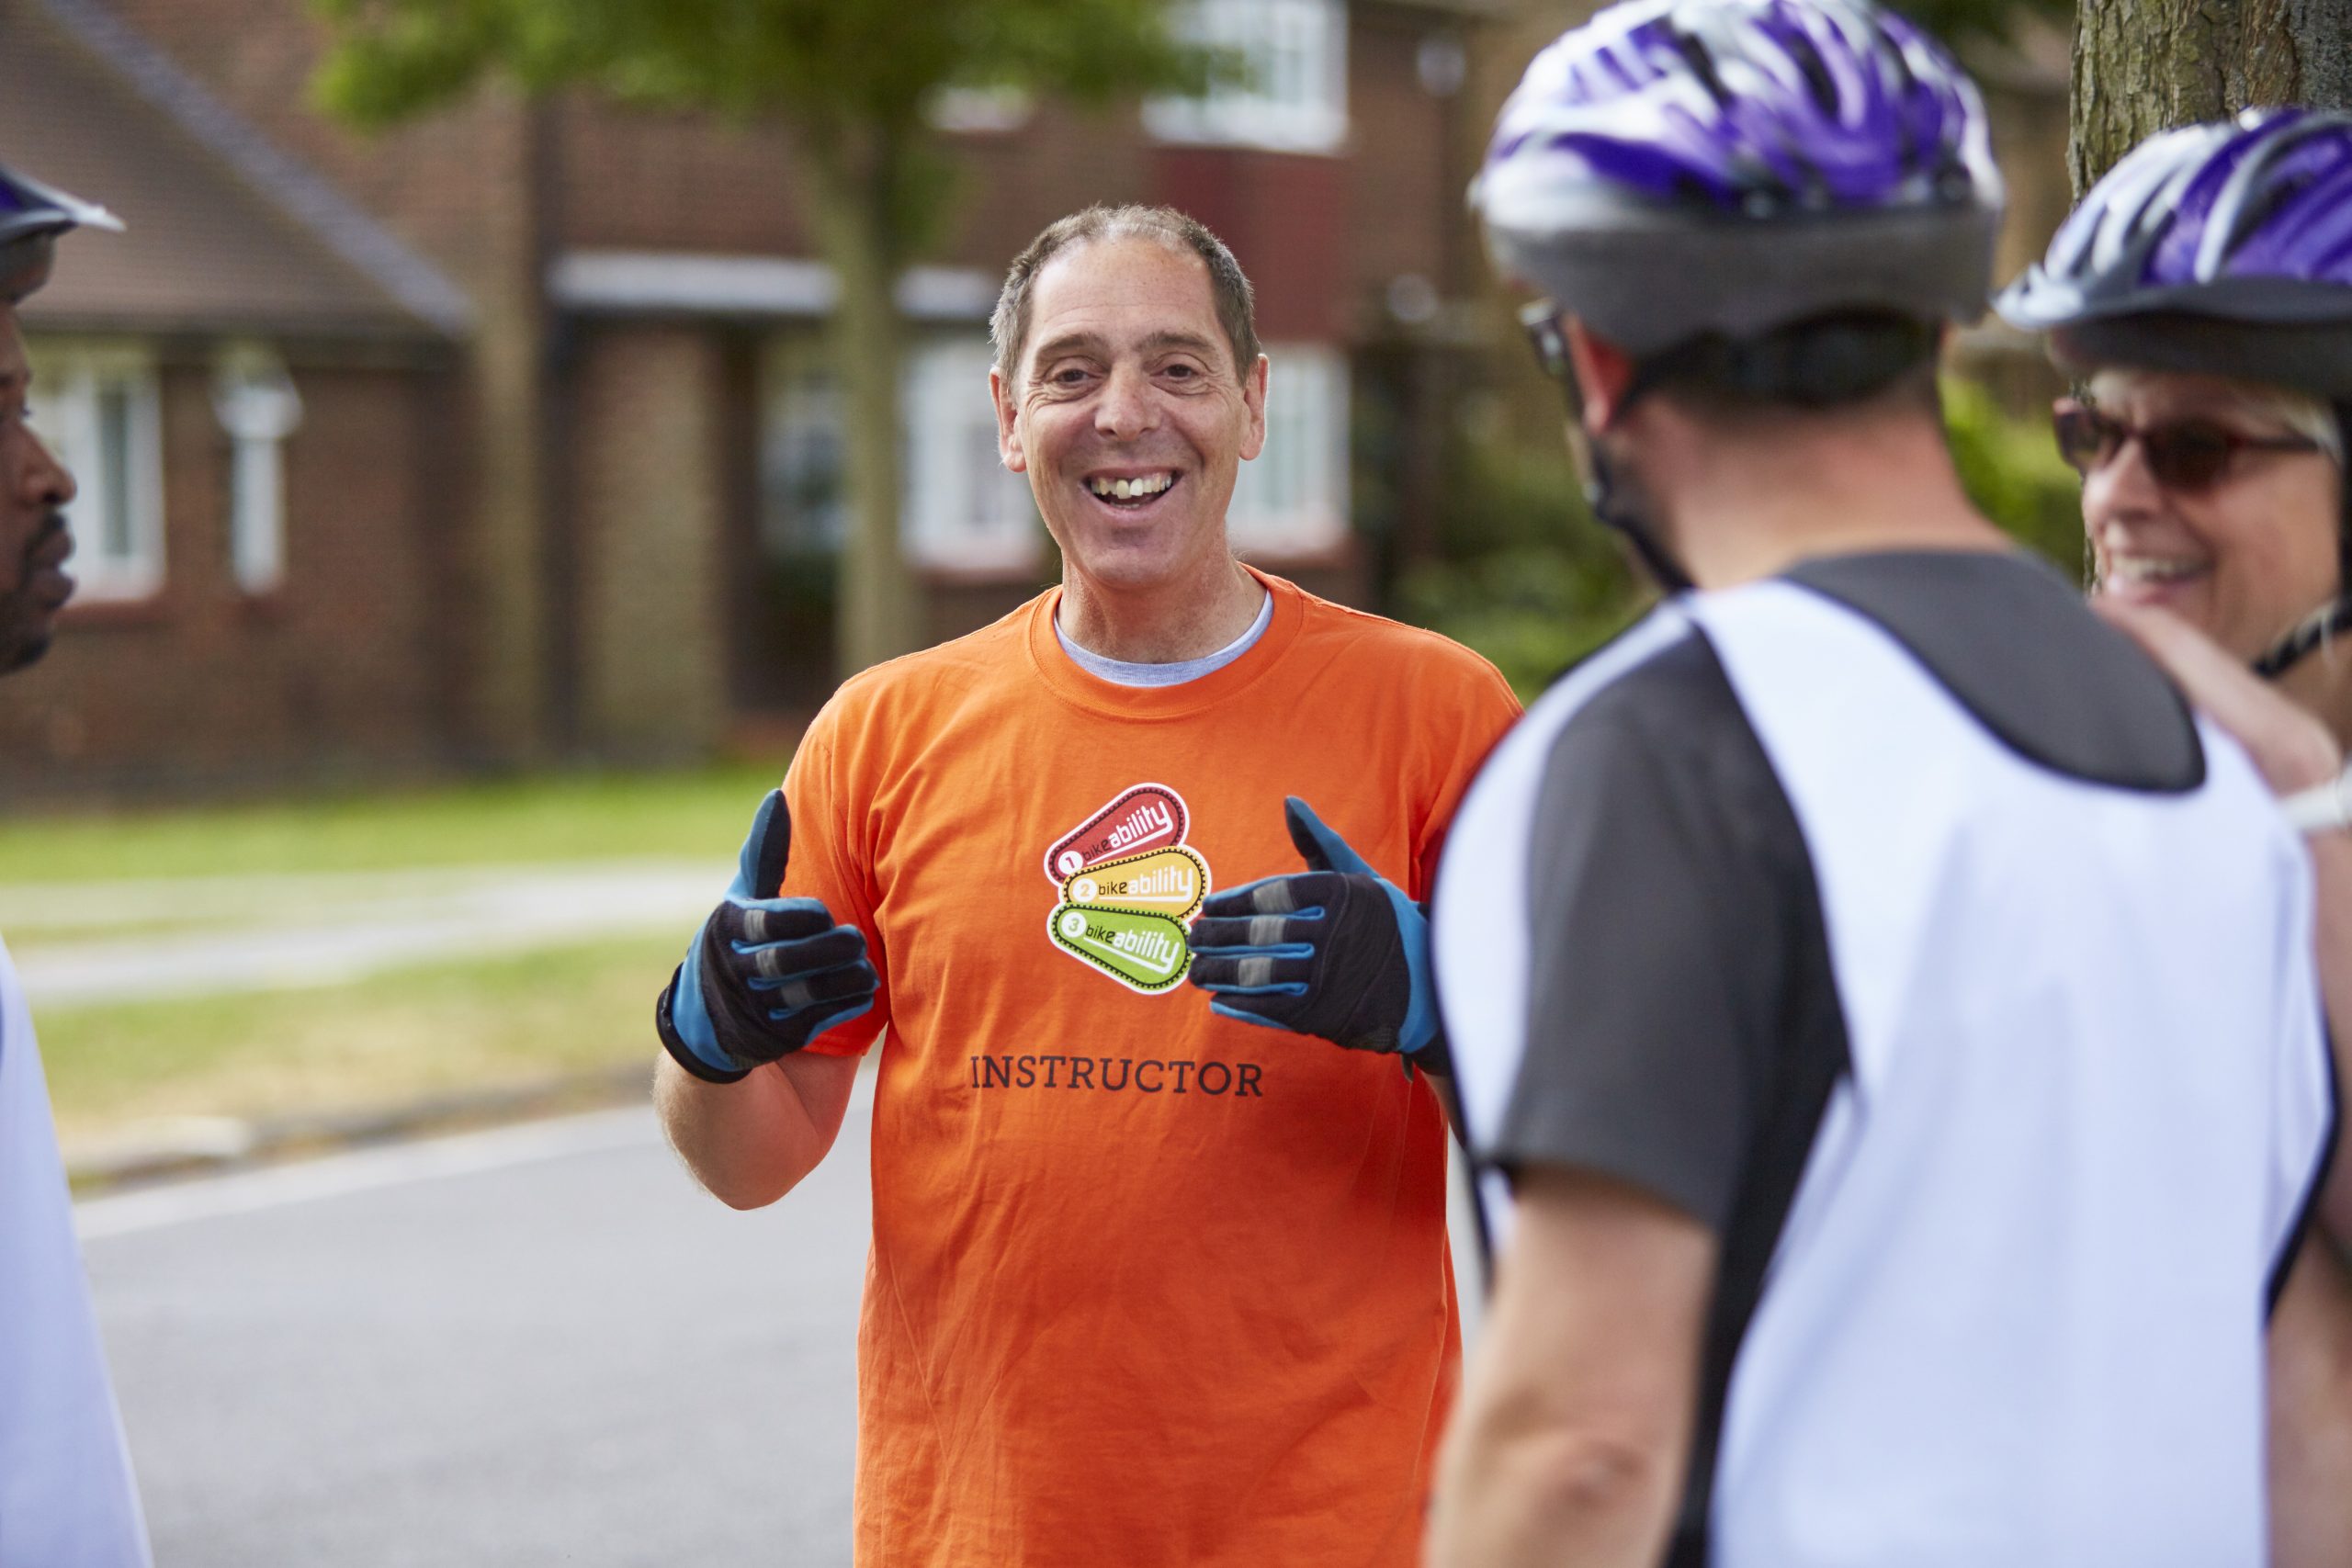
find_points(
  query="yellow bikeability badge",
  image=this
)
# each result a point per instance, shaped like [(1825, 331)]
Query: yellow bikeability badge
[(1129, 889), (1169, 881)]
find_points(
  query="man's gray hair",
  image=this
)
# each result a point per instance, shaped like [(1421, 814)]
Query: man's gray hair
[(1235, 305)]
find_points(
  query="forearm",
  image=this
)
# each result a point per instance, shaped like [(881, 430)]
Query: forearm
[(2311, 1412), (1539, 1497), (1570, 1442), (751, 1141)]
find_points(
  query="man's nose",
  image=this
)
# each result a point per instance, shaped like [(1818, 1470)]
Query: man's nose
[(1126, 408), (47, 480)]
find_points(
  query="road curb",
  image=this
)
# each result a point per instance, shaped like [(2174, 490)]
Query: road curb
[(208, 1145)]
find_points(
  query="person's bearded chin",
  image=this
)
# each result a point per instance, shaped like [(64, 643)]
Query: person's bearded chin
[(24, 620)]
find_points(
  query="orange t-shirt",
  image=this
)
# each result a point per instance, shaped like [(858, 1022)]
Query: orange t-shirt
[(1148, 1286)]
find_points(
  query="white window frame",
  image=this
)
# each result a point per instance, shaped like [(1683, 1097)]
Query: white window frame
[(980, 111), (1295, 99), (125, 562), (259, 409), (1292, 499), (961, 511), (965, 511)]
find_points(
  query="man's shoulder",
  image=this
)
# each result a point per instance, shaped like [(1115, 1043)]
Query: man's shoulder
[(1388, 649), (944, 672)]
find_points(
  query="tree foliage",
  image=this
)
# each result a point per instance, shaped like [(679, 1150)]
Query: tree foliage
[(1534, 584), (851, 61), (1960, 21)]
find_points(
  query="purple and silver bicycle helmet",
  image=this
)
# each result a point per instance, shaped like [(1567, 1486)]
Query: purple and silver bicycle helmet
[(2219, 250), (32, 216), (1675, 168)]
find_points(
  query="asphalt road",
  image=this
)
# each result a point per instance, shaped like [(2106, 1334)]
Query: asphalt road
[(540, 1345)]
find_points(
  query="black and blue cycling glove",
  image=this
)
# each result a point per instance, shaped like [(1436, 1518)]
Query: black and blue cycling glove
[(764, 975), (1338, 950)]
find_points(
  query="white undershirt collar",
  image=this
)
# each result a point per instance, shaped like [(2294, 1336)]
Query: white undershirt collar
[(1121, 672)]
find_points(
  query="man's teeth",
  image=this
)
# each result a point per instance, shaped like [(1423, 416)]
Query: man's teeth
[(1130, 489), (2150, 569)]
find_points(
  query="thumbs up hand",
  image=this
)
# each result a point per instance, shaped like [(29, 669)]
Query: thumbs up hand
[(765, 975), (1338, 950)]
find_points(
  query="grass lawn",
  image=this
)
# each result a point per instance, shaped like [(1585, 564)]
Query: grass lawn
[(423, 1030), (546, 817), (394, 1038)]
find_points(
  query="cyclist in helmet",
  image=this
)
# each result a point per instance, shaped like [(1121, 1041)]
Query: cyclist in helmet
[(2202, 296), (66, 1494), (1833, 994)]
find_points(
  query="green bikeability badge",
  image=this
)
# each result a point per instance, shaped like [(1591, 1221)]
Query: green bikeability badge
[(1129, 888)]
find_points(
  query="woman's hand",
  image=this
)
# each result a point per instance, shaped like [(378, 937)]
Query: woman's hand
[(2292, 748)]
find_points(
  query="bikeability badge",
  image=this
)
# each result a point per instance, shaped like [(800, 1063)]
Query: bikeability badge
[(1129, 886)]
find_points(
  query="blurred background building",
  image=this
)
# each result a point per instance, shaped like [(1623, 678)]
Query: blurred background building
[(512, 435)]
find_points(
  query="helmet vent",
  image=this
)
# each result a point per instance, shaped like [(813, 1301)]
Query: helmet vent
[(1815, 72), (1702, 65)]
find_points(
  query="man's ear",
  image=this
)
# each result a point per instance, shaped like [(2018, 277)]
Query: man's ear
[(1603, 372), (1008, 429), (1253, 403)]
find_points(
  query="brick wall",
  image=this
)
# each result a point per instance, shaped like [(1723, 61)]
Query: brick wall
[(204, 688), (466, 186), (1284, 217), (648, 432), (1403, 158), (1013, 184)]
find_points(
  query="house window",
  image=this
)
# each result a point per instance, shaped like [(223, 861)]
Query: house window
[(804, 486), (254, 400), (979, 110), (1294, 96), (1292, 500), (96, 409), (961, 510), (965, 511)]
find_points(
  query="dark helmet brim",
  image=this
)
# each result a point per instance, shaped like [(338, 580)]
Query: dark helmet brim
[(32, 214), (1648, 287), (2313, 358)]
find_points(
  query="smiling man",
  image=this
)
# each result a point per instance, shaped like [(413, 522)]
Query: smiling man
[(1151, 1283), (66, 1494)]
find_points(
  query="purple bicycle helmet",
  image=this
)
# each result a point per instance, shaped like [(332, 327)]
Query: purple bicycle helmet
[(1675, 168), (32, 216), (2219, 250)]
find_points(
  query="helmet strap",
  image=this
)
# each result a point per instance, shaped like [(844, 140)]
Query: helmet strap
[(1613, 502), (2342, 407), (2316, 630), (2311, 633)]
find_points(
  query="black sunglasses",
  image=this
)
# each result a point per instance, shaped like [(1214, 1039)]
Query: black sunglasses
[(2186, 455)]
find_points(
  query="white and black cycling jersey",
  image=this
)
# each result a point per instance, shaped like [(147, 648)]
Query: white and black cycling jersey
[(1894, 918)]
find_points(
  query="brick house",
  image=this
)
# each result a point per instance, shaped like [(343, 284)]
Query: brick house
[(565, 475), (248, 607)]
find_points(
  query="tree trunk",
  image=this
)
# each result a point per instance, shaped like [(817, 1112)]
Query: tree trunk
[(2141, 66), (853, 210)]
